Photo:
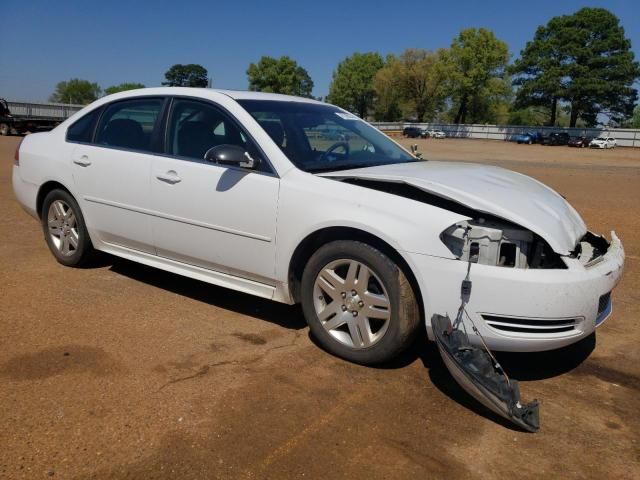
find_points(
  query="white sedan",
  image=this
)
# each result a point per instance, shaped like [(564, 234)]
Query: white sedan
[(242, 190), (604, 142), (437, 134)]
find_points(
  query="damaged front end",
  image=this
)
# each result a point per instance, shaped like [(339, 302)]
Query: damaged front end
[(480, 375)]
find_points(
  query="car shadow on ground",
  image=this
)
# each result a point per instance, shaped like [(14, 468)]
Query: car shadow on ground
[(518, 366), (286, 316)]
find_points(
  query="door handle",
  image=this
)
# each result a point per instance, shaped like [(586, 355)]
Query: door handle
[(170, 177), (83, 161)]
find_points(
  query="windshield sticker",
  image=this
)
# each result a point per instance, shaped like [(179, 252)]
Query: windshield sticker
[(347, 116)]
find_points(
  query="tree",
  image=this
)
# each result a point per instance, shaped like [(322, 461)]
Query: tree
[(123, 87), (387, 92), (279, 75), (352, 84), (476, 58), (191, 75), (538, 72), (414, 82), (528, 116), (583, 59), (635, 120), (81, 92), (490, 104)]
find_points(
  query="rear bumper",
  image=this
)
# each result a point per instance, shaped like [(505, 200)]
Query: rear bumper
[(523, 310), (26, 193)]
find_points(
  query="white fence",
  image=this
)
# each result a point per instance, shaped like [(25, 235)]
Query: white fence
[(627, 137), (53, 111)]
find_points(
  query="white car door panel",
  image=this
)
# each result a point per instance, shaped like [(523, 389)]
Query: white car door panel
[(111, 172), (113, 186), (215, 217)]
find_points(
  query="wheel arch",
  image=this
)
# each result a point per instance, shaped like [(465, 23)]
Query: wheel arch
[(310, 244), (44, 190)]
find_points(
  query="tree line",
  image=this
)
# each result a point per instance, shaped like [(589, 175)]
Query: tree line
[(578, 70)]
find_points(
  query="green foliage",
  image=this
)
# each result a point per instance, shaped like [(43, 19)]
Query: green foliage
[(352, 84), (413, 83), (635, 120), (123, 87), (583, 59), (476, 62), (81, 92), (528, 116), (387, 94), (279, 75), (191, 75)]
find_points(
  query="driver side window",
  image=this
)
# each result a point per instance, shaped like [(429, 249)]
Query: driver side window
[(195, 127)]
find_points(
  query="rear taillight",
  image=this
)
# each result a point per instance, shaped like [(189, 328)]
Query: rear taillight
[(16, 156)]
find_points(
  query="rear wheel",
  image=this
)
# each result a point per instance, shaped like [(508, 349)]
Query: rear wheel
[(4, 129), (359, 305), (64, 229)]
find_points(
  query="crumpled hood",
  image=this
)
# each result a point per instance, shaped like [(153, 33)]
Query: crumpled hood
[(488, 189)]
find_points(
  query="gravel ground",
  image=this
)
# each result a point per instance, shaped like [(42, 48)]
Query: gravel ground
[(122, 371)]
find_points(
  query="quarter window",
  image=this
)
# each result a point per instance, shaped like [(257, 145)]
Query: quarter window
[(130, 124), (82, 129)]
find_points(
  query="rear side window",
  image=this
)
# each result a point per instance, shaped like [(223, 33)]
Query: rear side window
[(82, 129), (129, 124)]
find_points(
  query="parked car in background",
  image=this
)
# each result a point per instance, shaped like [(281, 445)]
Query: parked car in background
[(604, 141), (580, 142), (414, 132), (556, 138), (529, 138), (437, 134)]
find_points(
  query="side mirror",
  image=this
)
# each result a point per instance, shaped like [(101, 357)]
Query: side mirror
[(231, 155)]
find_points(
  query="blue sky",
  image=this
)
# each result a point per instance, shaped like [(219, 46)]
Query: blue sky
[(109, 42)]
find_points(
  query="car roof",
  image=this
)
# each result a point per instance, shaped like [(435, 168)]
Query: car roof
[(206, 93)]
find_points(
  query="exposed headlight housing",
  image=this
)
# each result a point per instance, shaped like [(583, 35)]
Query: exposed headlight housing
[(489, 243)]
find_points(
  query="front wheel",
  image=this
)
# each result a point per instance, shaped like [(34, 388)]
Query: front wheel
[(64, 229), (358, 303), (4, 129)]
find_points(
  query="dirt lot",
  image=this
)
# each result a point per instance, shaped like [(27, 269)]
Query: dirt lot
[(122, 371)]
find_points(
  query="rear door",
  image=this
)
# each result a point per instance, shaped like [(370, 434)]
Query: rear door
[(216, 217), (111, 173)]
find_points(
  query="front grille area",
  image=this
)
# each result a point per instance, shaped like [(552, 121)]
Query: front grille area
[(603, 302), (531, 325)]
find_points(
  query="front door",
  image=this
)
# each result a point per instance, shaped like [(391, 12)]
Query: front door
[(208, 215)]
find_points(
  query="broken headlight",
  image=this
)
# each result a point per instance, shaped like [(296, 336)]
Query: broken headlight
[(489, 243)]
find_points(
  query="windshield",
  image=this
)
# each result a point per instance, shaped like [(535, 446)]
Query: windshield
[(320, 137)]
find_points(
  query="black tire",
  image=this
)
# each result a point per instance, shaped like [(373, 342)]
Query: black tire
[(404, 316), (84, 252), (5, 130)]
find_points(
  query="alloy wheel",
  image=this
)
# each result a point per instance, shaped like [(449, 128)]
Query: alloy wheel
[(352, 303), (63, 228)]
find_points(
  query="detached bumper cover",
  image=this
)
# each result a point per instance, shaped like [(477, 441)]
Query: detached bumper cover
[(524, 310)]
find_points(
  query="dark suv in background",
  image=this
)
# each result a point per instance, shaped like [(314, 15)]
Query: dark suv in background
[(556, 138), (414, 132), (580, 142)]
